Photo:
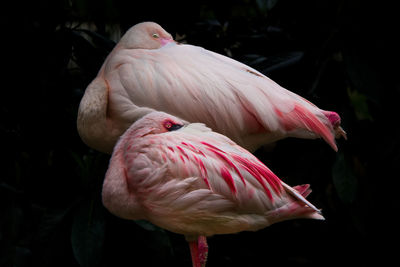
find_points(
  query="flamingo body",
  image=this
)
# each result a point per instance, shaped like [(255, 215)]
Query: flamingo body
[(190, 180), (196, 85)]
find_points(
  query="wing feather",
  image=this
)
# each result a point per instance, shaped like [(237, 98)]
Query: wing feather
[(221, 170), (199, 85), (194, 180)]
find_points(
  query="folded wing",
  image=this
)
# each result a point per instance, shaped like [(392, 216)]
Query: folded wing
[(198, 85)]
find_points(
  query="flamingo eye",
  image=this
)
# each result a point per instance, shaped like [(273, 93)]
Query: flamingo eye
[(171, 126), (155, 35)]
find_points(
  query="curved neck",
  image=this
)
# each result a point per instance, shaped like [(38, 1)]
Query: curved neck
[(92, 124)]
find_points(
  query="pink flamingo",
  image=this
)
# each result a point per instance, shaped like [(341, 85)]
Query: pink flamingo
[(190, 180), (147, 70)]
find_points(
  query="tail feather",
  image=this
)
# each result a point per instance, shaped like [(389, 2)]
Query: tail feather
[(298, 206), (300, 117), (300, 193), (303, 189)]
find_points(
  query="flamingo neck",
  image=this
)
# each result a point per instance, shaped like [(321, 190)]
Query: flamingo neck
[(92, 123)]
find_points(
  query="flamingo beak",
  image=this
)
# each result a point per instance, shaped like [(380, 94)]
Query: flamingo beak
[(165, 41)]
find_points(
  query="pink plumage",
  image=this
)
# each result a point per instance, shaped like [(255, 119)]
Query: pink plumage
[(148, 71), (190, 180)]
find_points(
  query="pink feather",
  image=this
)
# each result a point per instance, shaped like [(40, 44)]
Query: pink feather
[(143, 74), (218, 188)]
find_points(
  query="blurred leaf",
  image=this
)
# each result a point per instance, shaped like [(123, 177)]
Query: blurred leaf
[(360, 104), (148, 225), (81, 7), (86, 55), (159, 241), (22, 256), (159, 237), (87, 235), (90, 166), (100, 41), (52, 220), (363, 71), (253, 59), (344, 179), (265, 5), (272, 63)]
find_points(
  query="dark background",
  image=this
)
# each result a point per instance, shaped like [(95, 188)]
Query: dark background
[(341, 55)]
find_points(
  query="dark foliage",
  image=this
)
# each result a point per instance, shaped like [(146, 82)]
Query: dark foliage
[(341, 55)]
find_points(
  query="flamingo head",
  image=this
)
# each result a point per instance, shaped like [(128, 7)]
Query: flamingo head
[(145, 35), (155, 123)]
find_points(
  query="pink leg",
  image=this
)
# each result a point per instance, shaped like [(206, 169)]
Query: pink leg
[(203, 250), (195, 253), (199, 251)]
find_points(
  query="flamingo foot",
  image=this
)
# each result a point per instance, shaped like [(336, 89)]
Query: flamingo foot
[(199, 251)]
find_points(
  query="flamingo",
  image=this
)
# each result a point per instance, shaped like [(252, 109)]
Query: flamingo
[(147, 71), (190, 180)]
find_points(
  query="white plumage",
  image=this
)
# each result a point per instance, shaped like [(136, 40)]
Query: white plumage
[(195, 182), (197, 85)]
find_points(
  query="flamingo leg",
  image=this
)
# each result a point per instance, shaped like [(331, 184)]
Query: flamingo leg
[(199, 251), (203, 250), (194, 251)]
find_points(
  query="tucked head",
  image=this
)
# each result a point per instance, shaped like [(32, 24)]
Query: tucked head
[(145, 35), (155, 123)]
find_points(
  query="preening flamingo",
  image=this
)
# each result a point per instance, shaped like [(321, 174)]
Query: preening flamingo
[(190, 180), (147, 70)]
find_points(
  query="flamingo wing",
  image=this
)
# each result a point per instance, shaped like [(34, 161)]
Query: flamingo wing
[(199, 85), (203, 183)]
